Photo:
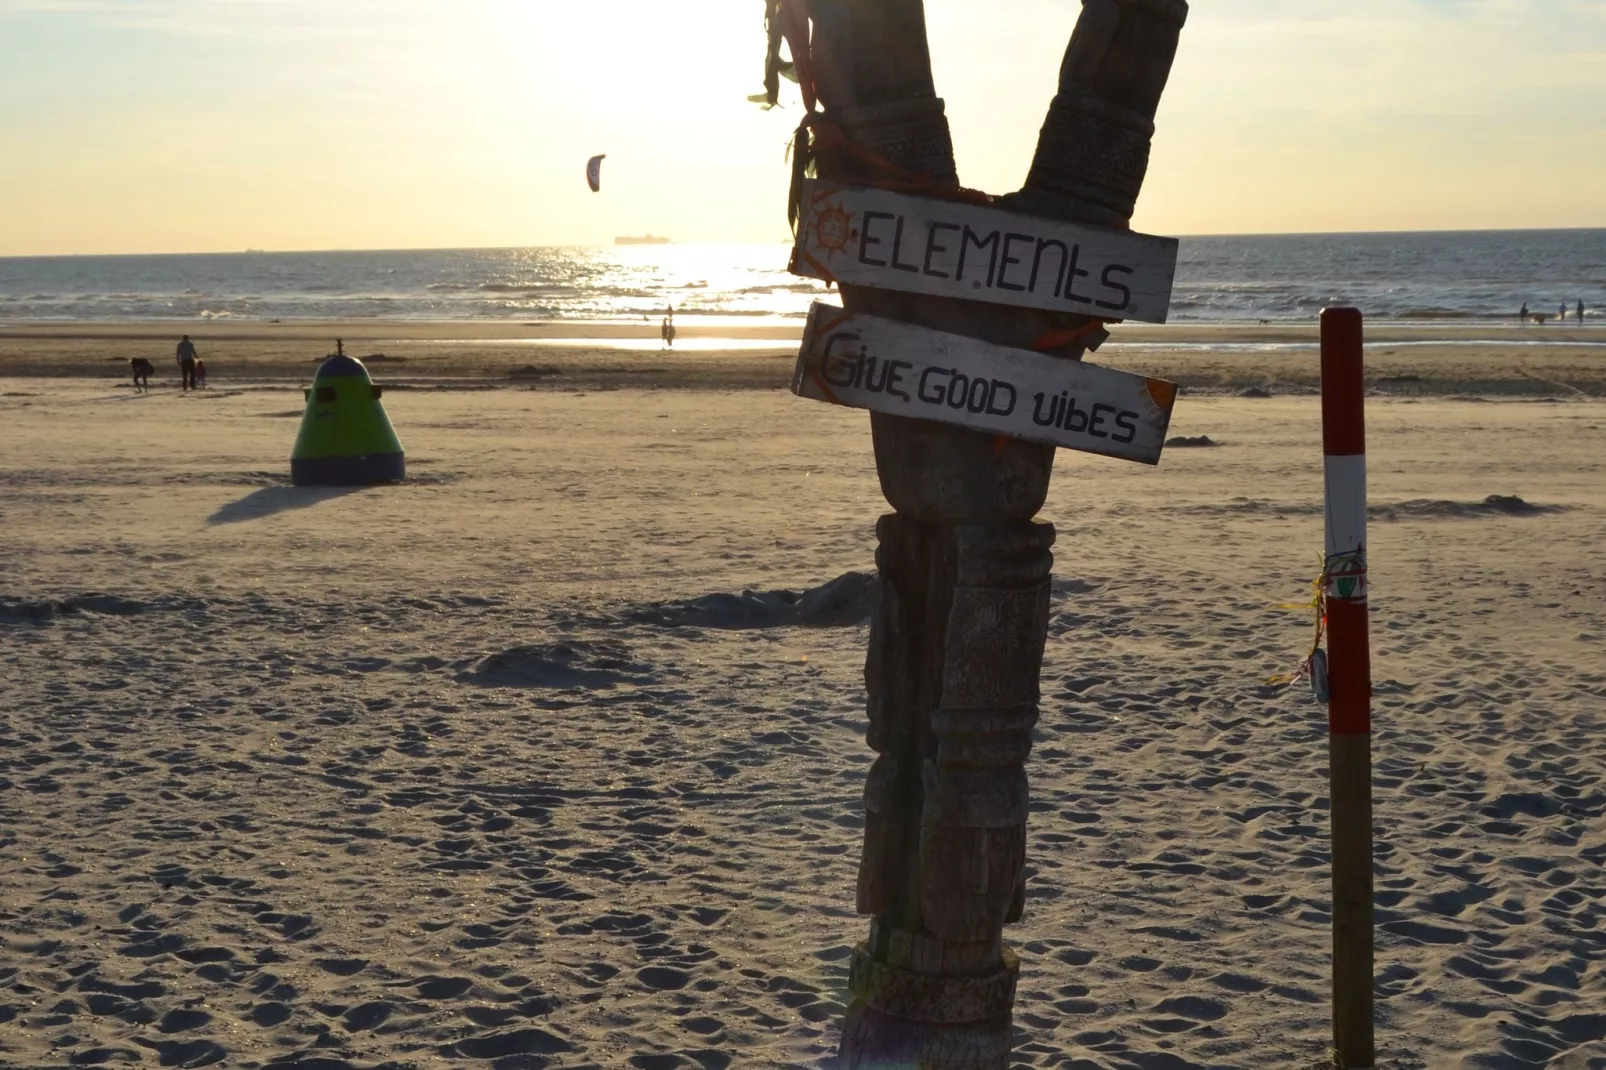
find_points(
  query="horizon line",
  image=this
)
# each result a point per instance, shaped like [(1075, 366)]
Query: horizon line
[(782, 242)]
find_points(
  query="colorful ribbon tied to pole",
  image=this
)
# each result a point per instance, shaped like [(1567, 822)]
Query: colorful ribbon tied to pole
[(1343, 578)]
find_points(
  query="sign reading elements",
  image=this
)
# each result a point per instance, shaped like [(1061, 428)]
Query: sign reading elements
[(871, 237), (866, 362)]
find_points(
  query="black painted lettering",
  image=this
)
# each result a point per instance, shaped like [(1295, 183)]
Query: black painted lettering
[(1075, 419), (932, 248), (1044, 244), (1093, 421), (999, 386), (865, 241), (1071, 276), (1052, 418), (897, 245), (1126, 291), (958, 386), (931, 395), (869, 374), (895, 369), (841, 369), (1005, 259), (1128, 422), (966, 240), (980, 394)]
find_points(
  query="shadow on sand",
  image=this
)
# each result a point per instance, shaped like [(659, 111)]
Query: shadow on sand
[(265, 501)]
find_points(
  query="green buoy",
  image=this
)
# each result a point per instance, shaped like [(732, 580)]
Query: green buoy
[(346, 438)]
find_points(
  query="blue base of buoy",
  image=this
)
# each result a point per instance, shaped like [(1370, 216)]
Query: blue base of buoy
[(348, 471)]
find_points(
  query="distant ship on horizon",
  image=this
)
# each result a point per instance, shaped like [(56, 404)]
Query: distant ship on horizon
[(645, 239)]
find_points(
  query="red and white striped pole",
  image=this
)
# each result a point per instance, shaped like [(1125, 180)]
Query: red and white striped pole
[(1349, 671)]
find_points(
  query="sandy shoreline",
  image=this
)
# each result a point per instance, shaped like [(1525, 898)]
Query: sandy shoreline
[(501, 768), (1413, 360)]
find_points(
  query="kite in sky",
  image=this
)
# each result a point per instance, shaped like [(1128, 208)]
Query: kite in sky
[(594, 173)]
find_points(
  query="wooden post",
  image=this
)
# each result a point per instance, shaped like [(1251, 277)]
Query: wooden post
[(957, 638), (1350, 683)]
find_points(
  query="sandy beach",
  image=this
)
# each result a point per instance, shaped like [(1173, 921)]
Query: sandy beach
[(540, 760)]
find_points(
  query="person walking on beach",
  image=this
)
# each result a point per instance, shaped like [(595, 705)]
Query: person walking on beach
[(186, 362), (1522, 317), (1561, 315), (1580, 312), (666, 330)]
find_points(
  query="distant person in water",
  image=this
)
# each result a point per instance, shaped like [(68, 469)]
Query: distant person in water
[(186, 362)]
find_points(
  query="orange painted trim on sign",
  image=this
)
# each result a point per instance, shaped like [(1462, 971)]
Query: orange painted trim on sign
[(1163, 393), (1051, 340), (825, 272), (814, 374), (834, 322)]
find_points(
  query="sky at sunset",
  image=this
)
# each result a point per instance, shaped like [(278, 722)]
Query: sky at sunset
[(195, 125)]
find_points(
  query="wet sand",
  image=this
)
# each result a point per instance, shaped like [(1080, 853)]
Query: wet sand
[(1491, 359)]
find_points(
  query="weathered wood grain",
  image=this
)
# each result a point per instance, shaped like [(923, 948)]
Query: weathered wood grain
[(941, 248), (890, 367), (956, 639)]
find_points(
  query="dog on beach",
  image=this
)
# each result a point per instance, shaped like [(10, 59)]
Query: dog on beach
[(142, 369)]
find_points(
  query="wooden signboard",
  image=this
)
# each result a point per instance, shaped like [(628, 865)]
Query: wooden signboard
[(866, 362), (893, 241)]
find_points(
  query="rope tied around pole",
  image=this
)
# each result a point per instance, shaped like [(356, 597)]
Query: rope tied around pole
[(818, 135), (1342, 579)]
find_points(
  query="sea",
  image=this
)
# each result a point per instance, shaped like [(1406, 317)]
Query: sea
[(1429, 277)]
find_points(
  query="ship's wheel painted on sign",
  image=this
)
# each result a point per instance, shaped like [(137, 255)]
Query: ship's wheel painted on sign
[(833, 227)]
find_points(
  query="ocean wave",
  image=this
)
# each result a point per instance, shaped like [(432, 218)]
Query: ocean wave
[(782, 288), (1436, 312), (1474, 278), (529, 288)]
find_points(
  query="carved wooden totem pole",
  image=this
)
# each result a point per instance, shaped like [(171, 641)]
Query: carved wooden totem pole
[(957, 639)]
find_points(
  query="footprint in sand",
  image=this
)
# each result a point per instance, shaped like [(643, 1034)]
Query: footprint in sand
[(191, 1053), (569, 664), (341, 967), (703, 1025), (501, 1045), (490, 1017), (180, 1021), (663, 978), (269, 1014), (367, 1016)]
